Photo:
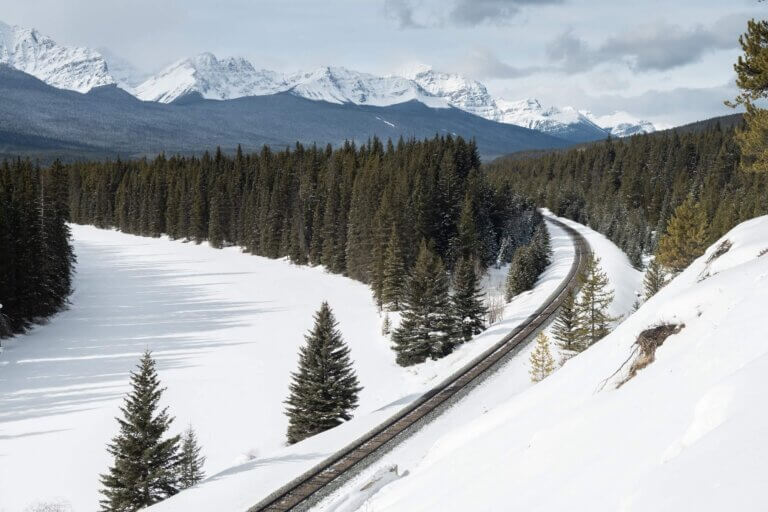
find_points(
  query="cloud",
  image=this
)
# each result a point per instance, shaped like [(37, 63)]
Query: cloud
[(651, 47), (475, 12), (402, 11), (484, 64), (462, 13), (671, 107)]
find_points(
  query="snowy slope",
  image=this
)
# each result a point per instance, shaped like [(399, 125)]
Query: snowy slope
[(242, 486), (233, 78), (225, 328), (212, 78), (65, 67), (686, 433), (340, 85)]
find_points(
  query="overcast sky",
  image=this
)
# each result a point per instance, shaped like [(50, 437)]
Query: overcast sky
[(667, 61)]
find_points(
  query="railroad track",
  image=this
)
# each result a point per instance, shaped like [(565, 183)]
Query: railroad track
[(297, 492)]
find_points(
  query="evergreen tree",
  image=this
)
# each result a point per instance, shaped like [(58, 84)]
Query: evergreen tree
[(752, 78), (325, 388), (427, 328), (686, 237), (145, 468), (522, 273), (592, 305), (654, 279), (190, 461), (542, 363), (394, 277), (468, 304), (566, 328), (386, 325)]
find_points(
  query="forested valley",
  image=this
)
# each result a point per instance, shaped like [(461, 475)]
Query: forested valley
[(629, 189)]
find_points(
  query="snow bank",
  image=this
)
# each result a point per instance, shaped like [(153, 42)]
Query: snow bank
[(241, 487), (686, 433), (225, 328)]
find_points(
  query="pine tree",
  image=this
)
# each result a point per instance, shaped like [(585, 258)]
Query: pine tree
[(522, 274), (592, 305), (325, 388), (468, 304), (190, 461), (566, 328), (654, 279), (686, 237), (427, 328), (542, 363), (386, 325), (752, 78), (393, 283), (145, 469)]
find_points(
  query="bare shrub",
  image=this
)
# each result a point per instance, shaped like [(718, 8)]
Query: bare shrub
[(645, 347), (495, 305)]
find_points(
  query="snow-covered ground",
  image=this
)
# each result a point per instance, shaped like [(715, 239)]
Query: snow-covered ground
[(225, 328), (686, 433)]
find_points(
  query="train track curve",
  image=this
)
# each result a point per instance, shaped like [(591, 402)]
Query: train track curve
[(299, 491)]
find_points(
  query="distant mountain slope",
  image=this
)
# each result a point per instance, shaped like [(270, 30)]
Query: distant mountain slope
[(65, 67), (82, 69), (233, 78), (42, 120)]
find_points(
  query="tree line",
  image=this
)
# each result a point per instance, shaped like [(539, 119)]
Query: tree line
[(629, 189), (339, 208), (36, 258)]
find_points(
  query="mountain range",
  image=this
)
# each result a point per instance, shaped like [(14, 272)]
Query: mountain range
[(205, 78)]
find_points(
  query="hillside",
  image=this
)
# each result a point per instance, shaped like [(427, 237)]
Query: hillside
[(41, 120), (683, 434)]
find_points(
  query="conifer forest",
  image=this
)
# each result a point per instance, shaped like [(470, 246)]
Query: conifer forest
[(414, 255)]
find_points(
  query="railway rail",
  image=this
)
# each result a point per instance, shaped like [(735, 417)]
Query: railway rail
[(297, 492)]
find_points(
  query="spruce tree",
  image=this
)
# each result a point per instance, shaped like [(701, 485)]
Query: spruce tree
[(654, 279), (752, 79), (686, 237), (468, 304), (592, 305), (427, 328), (542, 363), (324, 390), (393, 282), (566, 328), (522, 274), (190, 461), (145, 469)]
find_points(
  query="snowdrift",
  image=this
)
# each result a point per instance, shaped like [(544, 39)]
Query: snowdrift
[(685, 433)]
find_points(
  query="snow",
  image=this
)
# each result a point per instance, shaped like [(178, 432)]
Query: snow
[(621, 123), (225, 328), (236, 77), (212, 78), (241, 487), (66, 67), (684, 434), (626, 281)]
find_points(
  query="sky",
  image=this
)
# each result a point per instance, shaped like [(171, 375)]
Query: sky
[(668, 62)]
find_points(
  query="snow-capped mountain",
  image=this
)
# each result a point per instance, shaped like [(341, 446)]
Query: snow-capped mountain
[(236, 77), (472, 96), (212, 78), (621, 124), (341, 85), (81, 69), (66, 67), (232, 78)]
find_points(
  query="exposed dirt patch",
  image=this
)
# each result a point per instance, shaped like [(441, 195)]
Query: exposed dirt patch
[(645, 347), (723, 248)]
